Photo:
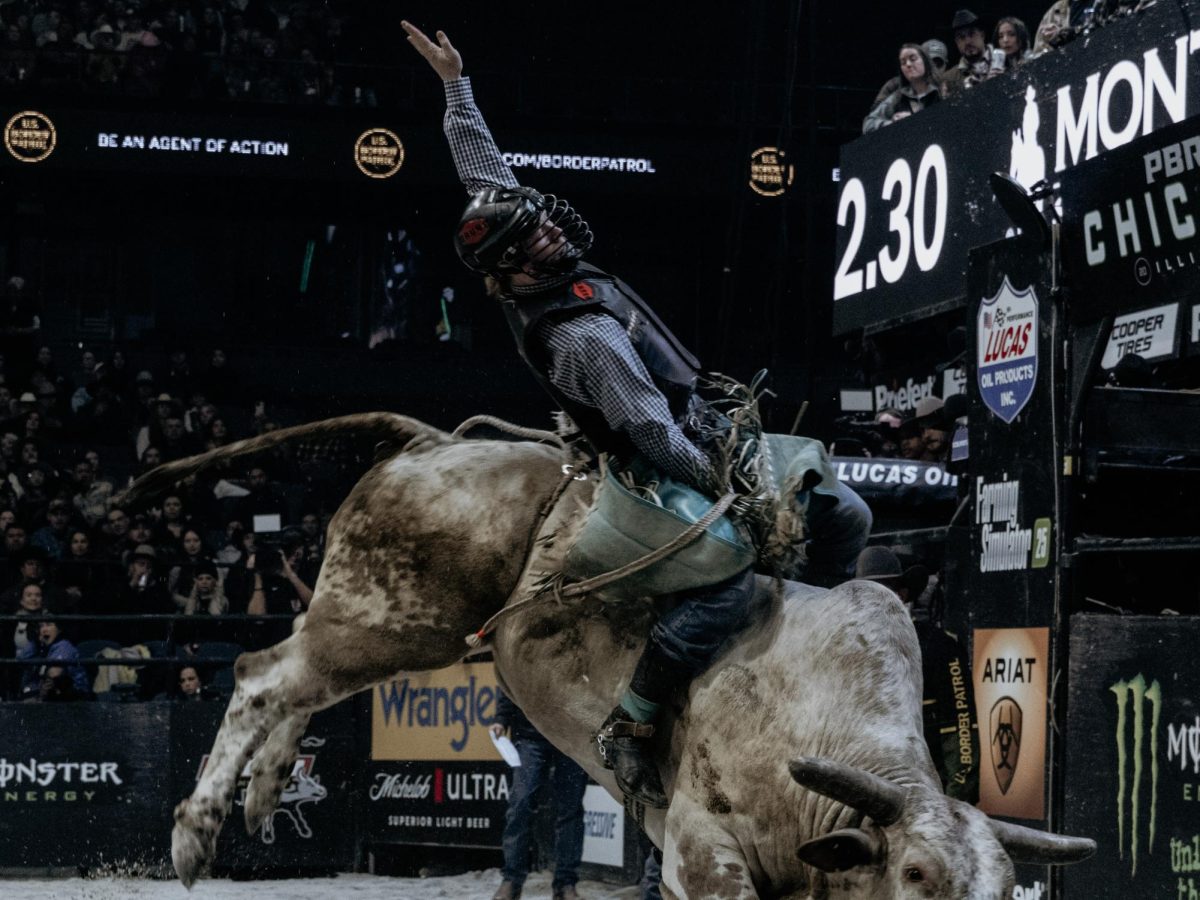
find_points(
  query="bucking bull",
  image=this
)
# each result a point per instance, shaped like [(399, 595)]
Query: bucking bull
[(795, 766)]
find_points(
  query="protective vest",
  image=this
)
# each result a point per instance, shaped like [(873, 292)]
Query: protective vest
[(672, 368)]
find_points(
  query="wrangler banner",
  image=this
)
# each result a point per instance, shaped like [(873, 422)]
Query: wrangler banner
[(441, 715)]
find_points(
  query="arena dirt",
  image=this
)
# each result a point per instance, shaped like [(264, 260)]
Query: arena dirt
[(471, 886)]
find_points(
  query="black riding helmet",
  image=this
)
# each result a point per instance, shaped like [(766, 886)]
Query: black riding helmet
[(494, 226)]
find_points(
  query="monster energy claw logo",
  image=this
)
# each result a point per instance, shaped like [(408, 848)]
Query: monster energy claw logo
[(1136, 694)]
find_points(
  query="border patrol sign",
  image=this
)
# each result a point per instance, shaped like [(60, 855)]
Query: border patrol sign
[(1007, 363)]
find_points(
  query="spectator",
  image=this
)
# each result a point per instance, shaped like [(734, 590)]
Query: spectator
[(45, 369), (275, 588), (60, 676), (32, 569), (264, 498), (140, 532), (15, 639), (172, 521), (114, 533), (205, 598), (920, 87), (938, 55), (15, 542), (82, 577), (176, 443), (912, 445), (1012, 37), (538, 757), (140, 594), (192, 554), (20, 329), (1054, 29), (54, 536), (189, 686), (219, 382), (974, 54), (218, 434), (888, 421), (946, 672), (36, 490), (177, 380), (92, 496), (935, 432)]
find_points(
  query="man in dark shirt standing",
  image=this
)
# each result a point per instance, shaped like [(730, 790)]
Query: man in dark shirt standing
[(606, 359)]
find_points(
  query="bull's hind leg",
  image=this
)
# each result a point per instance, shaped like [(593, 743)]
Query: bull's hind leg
[(274, 684), (270, 769), (329, 659)]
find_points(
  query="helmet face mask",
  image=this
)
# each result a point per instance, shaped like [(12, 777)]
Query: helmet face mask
[(506, 231)]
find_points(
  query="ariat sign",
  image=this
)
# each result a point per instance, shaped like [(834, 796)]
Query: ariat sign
[(1010, 670)]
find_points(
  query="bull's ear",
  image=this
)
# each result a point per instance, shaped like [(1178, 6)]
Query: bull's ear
[(839, 850)]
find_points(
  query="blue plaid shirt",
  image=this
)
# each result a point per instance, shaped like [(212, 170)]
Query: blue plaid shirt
[(591, 358)]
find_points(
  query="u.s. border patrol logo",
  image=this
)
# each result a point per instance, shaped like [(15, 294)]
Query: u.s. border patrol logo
[(1007, 331)]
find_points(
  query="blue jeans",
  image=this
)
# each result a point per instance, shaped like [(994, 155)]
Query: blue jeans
[(651, 883), (690, 635), (568, 784), (839, 526)]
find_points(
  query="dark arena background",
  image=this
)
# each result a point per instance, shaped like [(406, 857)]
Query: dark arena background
[(220, 218)]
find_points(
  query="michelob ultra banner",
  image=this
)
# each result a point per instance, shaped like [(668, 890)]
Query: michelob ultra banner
[(439, 715), (1011, 680)]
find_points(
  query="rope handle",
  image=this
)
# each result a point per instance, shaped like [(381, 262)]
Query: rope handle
[(690, 536), (529, 434)]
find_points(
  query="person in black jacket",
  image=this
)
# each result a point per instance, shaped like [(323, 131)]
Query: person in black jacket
[(539, 760)]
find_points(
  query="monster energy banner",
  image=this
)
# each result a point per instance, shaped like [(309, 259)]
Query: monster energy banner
[(78, 781), (1133, 757)]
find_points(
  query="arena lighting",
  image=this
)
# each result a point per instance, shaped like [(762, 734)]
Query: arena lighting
[(1020, 206)]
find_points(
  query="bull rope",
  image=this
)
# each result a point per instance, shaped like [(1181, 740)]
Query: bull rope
[(529, 434), (580, 588)]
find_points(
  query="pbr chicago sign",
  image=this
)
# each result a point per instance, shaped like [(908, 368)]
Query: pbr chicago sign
[(1007, 365)]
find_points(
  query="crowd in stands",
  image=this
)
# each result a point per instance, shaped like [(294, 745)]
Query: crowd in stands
[(165, 581), (269, 51), (925, 76)]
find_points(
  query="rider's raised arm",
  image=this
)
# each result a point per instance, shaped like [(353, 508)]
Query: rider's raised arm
[(476, 156)]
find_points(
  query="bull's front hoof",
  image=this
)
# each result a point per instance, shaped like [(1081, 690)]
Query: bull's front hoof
[(192, 845)]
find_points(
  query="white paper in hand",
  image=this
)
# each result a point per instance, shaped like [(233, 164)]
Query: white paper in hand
[(506, 749)]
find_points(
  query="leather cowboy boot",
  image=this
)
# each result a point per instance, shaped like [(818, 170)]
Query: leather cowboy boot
[(624, 748)]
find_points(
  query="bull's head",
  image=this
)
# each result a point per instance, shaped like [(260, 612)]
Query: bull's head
[(915, 842)]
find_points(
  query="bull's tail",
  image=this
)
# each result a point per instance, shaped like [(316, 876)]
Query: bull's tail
[(383, 426)]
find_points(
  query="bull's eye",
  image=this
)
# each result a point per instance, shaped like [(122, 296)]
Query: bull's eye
[(913, 874)]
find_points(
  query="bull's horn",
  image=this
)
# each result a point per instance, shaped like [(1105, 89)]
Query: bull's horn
[(1029, 845), (871, 795)]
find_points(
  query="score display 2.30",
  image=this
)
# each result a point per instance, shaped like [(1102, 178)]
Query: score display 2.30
[(912, 235)]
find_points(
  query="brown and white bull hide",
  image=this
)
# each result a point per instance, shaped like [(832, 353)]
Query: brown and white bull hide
[(823, 690)]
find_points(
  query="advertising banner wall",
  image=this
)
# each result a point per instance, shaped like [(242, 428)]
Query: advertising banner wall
[(1133, 756), (915, 196), (78, 780), (434, 776), (1011, 669), (313, 824)]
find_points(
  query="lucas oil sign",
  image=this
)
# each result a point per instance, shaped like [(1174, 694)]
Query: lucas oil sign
[(1007, 328)]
